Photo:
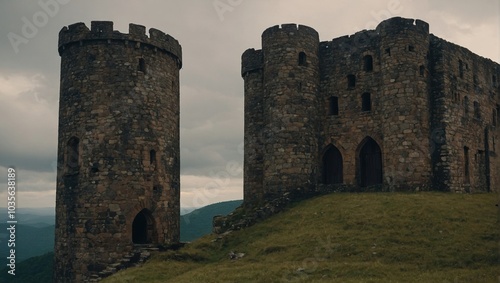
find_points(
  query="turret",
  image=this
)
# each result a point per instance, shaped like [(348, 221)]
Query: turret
[(404, 45)]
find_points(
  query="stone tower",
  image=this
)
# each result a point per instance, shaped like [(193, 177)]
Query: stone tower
[(281, 87), (118, 154)]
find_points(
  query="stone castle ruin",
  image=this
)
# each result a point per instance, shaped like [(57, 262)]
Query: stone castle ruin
[(118, 155), (390, 109)]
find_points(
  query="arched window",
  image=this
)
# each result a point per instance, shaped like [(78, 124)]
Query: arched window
[(370, 163), (302, 59), (332, 166), (366, 102), (368, 63), (73, 154), (334, 106), (351, 81), (143, 228), (141, 66)]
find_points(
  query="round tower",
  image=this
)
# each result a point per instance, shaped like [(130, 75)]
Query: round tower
[(404, 96), (290, 128), (118, 153)]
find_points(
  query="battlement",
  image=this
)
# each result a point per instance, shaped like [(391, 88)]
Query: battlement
[(359, 38), (103, 30), (290, 29), (251, 60), (398, 24)]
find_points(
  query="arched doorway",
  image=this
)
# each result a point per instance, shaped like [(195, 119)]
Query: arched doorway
[(143, 228), (332, 166), (370, 163)]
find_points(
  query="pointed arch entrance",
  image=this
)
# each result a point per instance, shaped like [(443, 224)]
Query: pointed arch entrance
[(332, 166), (370, 163), (143, 227)]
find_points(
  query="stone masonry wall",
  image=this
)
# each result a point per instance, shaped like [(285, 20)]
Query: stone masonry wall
[(415, 115), (118, 154)]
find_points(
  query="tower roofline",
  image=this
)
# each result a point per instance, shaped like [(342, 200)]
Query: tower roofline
[(291, 28), (103, 30)]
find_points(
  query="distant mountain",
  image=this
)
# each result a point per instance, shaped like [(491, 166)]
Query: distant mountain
[(30, 241), (36, 217), (33, 270), (199, 222)]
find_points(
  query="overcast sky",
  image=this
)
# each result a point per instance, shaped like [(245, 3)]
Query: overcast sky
[(213, 35)]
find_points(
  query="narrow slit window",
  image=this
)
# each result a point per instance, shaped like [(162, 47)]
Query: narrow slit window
[(494, 81), (421, 70), (152, 157), (73, 153), (466, 105), (302, 59), (334, 106), (411, 48), (142, 65), (461, 68), (366, 102), (388, 51), (368, 63), (477, 112), (494, 116), (466, 165), (351, 81)]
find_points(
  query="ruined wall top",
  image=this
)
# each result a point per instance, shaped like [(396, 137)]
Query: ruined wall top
[(398, 24), (290, 28), (103, 30)]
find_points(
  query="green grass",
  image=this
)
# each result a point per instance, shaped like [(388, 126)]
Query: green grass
[(369, 237)]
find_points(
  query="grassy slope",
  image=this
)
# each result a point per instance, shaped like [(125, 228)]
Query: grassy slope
[(383, 237)]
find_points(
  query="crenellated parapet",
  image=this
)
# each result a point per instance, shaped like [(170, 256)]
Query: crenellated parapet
[(79, 33), (290, 29)]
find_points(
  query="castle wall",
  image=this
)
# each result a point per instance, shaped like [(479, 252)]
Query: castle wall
[(390, 113), (118, 153), (469, 150)]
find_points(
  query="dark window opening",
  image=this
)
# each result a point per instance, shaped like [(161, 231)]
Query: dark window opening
[(351, 81), (72, 153), (332, 166), (370, 163), (411, 48), (477, 112), (299, 86), (368, 63), (466, 105), (498, 114), (302, 59), (461, 68), (494, 81), (388, 51), (334, 106), (152, 157), (141, 66), (475, 81), (142, 228), (466, 165), (366, 102), (421, 70)]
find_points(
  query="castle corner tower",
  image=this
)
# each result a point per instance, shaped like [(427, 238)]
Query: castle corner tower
[(118, 181)]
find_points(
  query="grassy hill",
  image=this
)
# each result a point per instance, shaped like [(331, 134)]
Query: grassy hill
[(369, 237), (199, 222), (30, 241)]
